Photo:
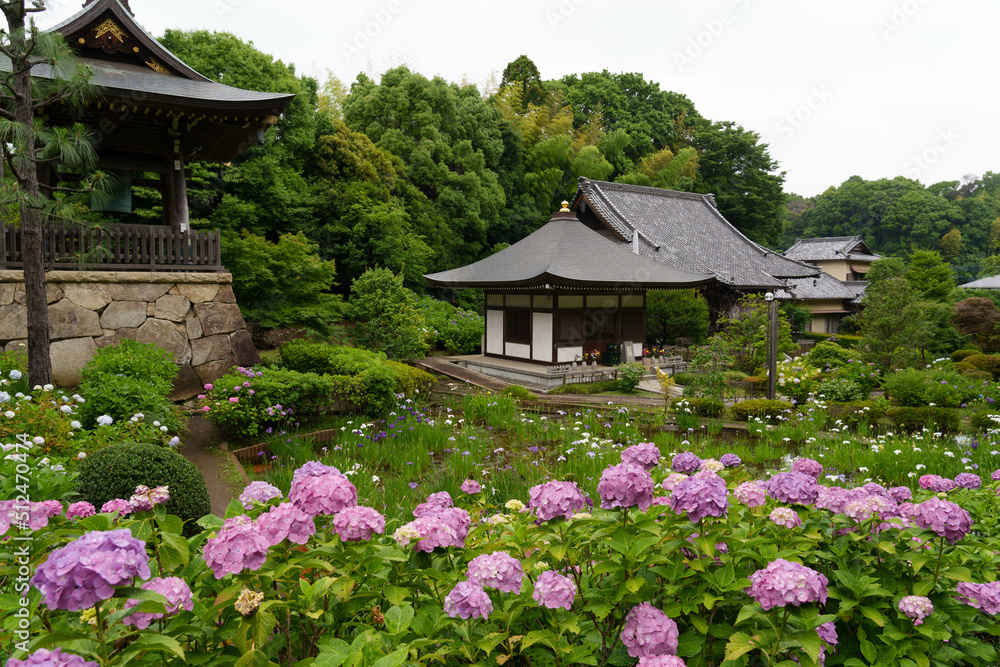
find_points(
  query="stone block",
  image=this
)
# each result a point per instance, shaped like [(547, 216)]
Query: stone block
[(171, 336), (13, 321), (199, 293), (89, 295), (174, 290), (172, 307), (16, 345), (68, 359), (129, 333), (53, 293), (137, 291), (186, 384), (124, 314), (151, 309), (217, 318), (225, 294), (194, 326), (6, 294), (213, 370), (68, 320), (211, 348), (107, 340), (244, 349)]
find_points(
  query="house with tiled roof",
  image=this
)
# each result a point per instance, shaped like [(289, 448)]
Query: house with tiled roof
[(845, 261)]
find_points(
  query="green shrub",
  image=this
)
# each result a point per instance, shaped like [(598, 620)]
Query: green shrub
[(410, 380), (602, 387), (373, 391), (760, 408), (983, 421), (844, 340), (855, 412), (914, 420), (734, 376), (115, 471), (827, 354), (866, 375), (629, 376), (518, 392), (702, 407), (973, 373), (685, 379), (454, 329), (129, 358), (939, 387), (989, 363), (841, 390), (310, 357), (959, 355), (386, 317)]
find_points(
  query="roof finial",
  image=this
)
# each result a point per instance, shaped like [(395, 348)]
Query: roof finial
[(565, 207)]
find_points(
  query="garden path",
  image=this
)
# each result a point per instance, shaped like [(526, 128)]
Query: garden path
[(203, 448)]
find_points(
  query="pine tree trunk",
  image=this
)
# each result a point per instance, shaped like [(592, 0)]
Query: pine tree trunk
[(39, 363)]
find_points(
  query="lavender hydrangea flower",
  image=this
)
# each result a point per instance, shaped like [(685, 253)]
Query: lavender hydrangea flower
[(260, 492), (967, 480), (322, 493), (984, 597), (661, 661), (286, 522), (936, 483), (730, 460), (471, 486), (314, 469), (121, 506), (625, 486), (995, 475), (901, 494), (916, 607), (144, 498), (828, 633), (700, 496), (80, 510), (497, 570), (555, 499), (645, 455), (648, 631), (553, 590), (685, 462), (239, 545), (43, 657), (783, 582), (794, 488), (785, 516), (468, 600), (85, 571), (873, 489), (174, 589), (436, 501), (943, 517), (751, 494), (357, 524), (809, 467), (672, 480)]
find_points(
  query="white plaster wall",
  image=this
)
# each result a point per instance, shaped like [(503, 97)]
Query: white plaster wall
[(568, 354), (494, 332), (519, 350), (541, 336)]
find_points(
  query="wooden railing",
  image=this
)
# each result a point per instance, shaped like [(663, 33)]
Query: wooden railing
[(116, 247)]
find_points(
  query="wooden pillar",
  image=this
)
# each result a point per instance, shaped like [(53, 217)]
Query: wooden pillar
[(177, 187)]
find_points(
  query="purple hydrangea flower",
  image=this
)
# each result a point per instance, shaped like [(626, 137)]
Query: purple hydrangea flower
[(916, 607), (809, 467), (785, 516), (873, 489), (80, 510), (901, 494), (85, 571), (52, 508), (314, 469), (730, 460), (995, 475), (783, 582), (239, 545), (12, 512), (703, 495), (936, 483), (648, 631), (144, 498), (286, 522), (497, 570), (553, 590), (660, 661), (43, 657), (174, 589), (984, 597), (555, 499), (468, 600), (260, 492), (685, 462), (794, 488), (322, 493), (943, 517), (625, 486), (436, 501), (471, 486), (751, 494), (645, 455), (967, 480), (121, 506), (358, 524), (828, 633)]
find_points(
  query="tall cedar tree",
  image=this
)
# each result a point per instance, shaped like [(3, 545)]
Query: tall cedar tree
[(26, 145)]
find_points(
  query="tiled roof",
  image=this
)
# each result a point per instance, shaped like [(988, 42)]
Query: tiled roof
[(566, 252), (993, 282), (686, 231), (858, 287), (824, 286), (830, 248)]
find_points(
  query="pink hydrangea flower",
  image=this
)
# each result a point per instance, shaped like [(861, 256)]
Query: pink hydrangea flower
[(648, 631), (936, 483), (645, 455), (436, 501), (967, 480), (286, 522), (43, 657), (785, 516), (943, 517), (794, 488), (985, 597), (751, 494), (356, 524), (703, 495), (916, 607), (323, 493), (783, 582), (240, 545), (672, 480), (685, 462), (553, 590), (258, 492), (661, 661), (555, 499), (468, 600), (52, 508), (121, 506), (497, 570), (809, 467), (174, 589), (625, 486), (80, 510), (471, 486), (730, 460)]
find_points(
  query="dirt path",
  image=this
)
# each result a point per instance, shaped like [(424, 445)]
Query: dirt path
[(202, 447)]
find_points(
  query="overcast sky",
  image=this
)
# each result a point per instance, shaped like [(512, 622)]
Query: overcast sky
[(878, 88)]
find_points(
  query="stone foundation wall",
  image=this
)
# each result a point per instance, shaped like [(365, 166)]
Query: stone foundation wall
[(193, 316)]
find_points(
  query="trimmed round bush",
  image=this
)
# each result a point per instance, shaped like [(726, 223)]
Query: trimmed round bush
[(761, 408), (959, 355), (115, 471)]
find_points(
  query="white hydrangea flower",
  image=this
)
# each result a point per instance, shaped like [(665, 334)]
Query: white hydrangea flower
[(105, 420)]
